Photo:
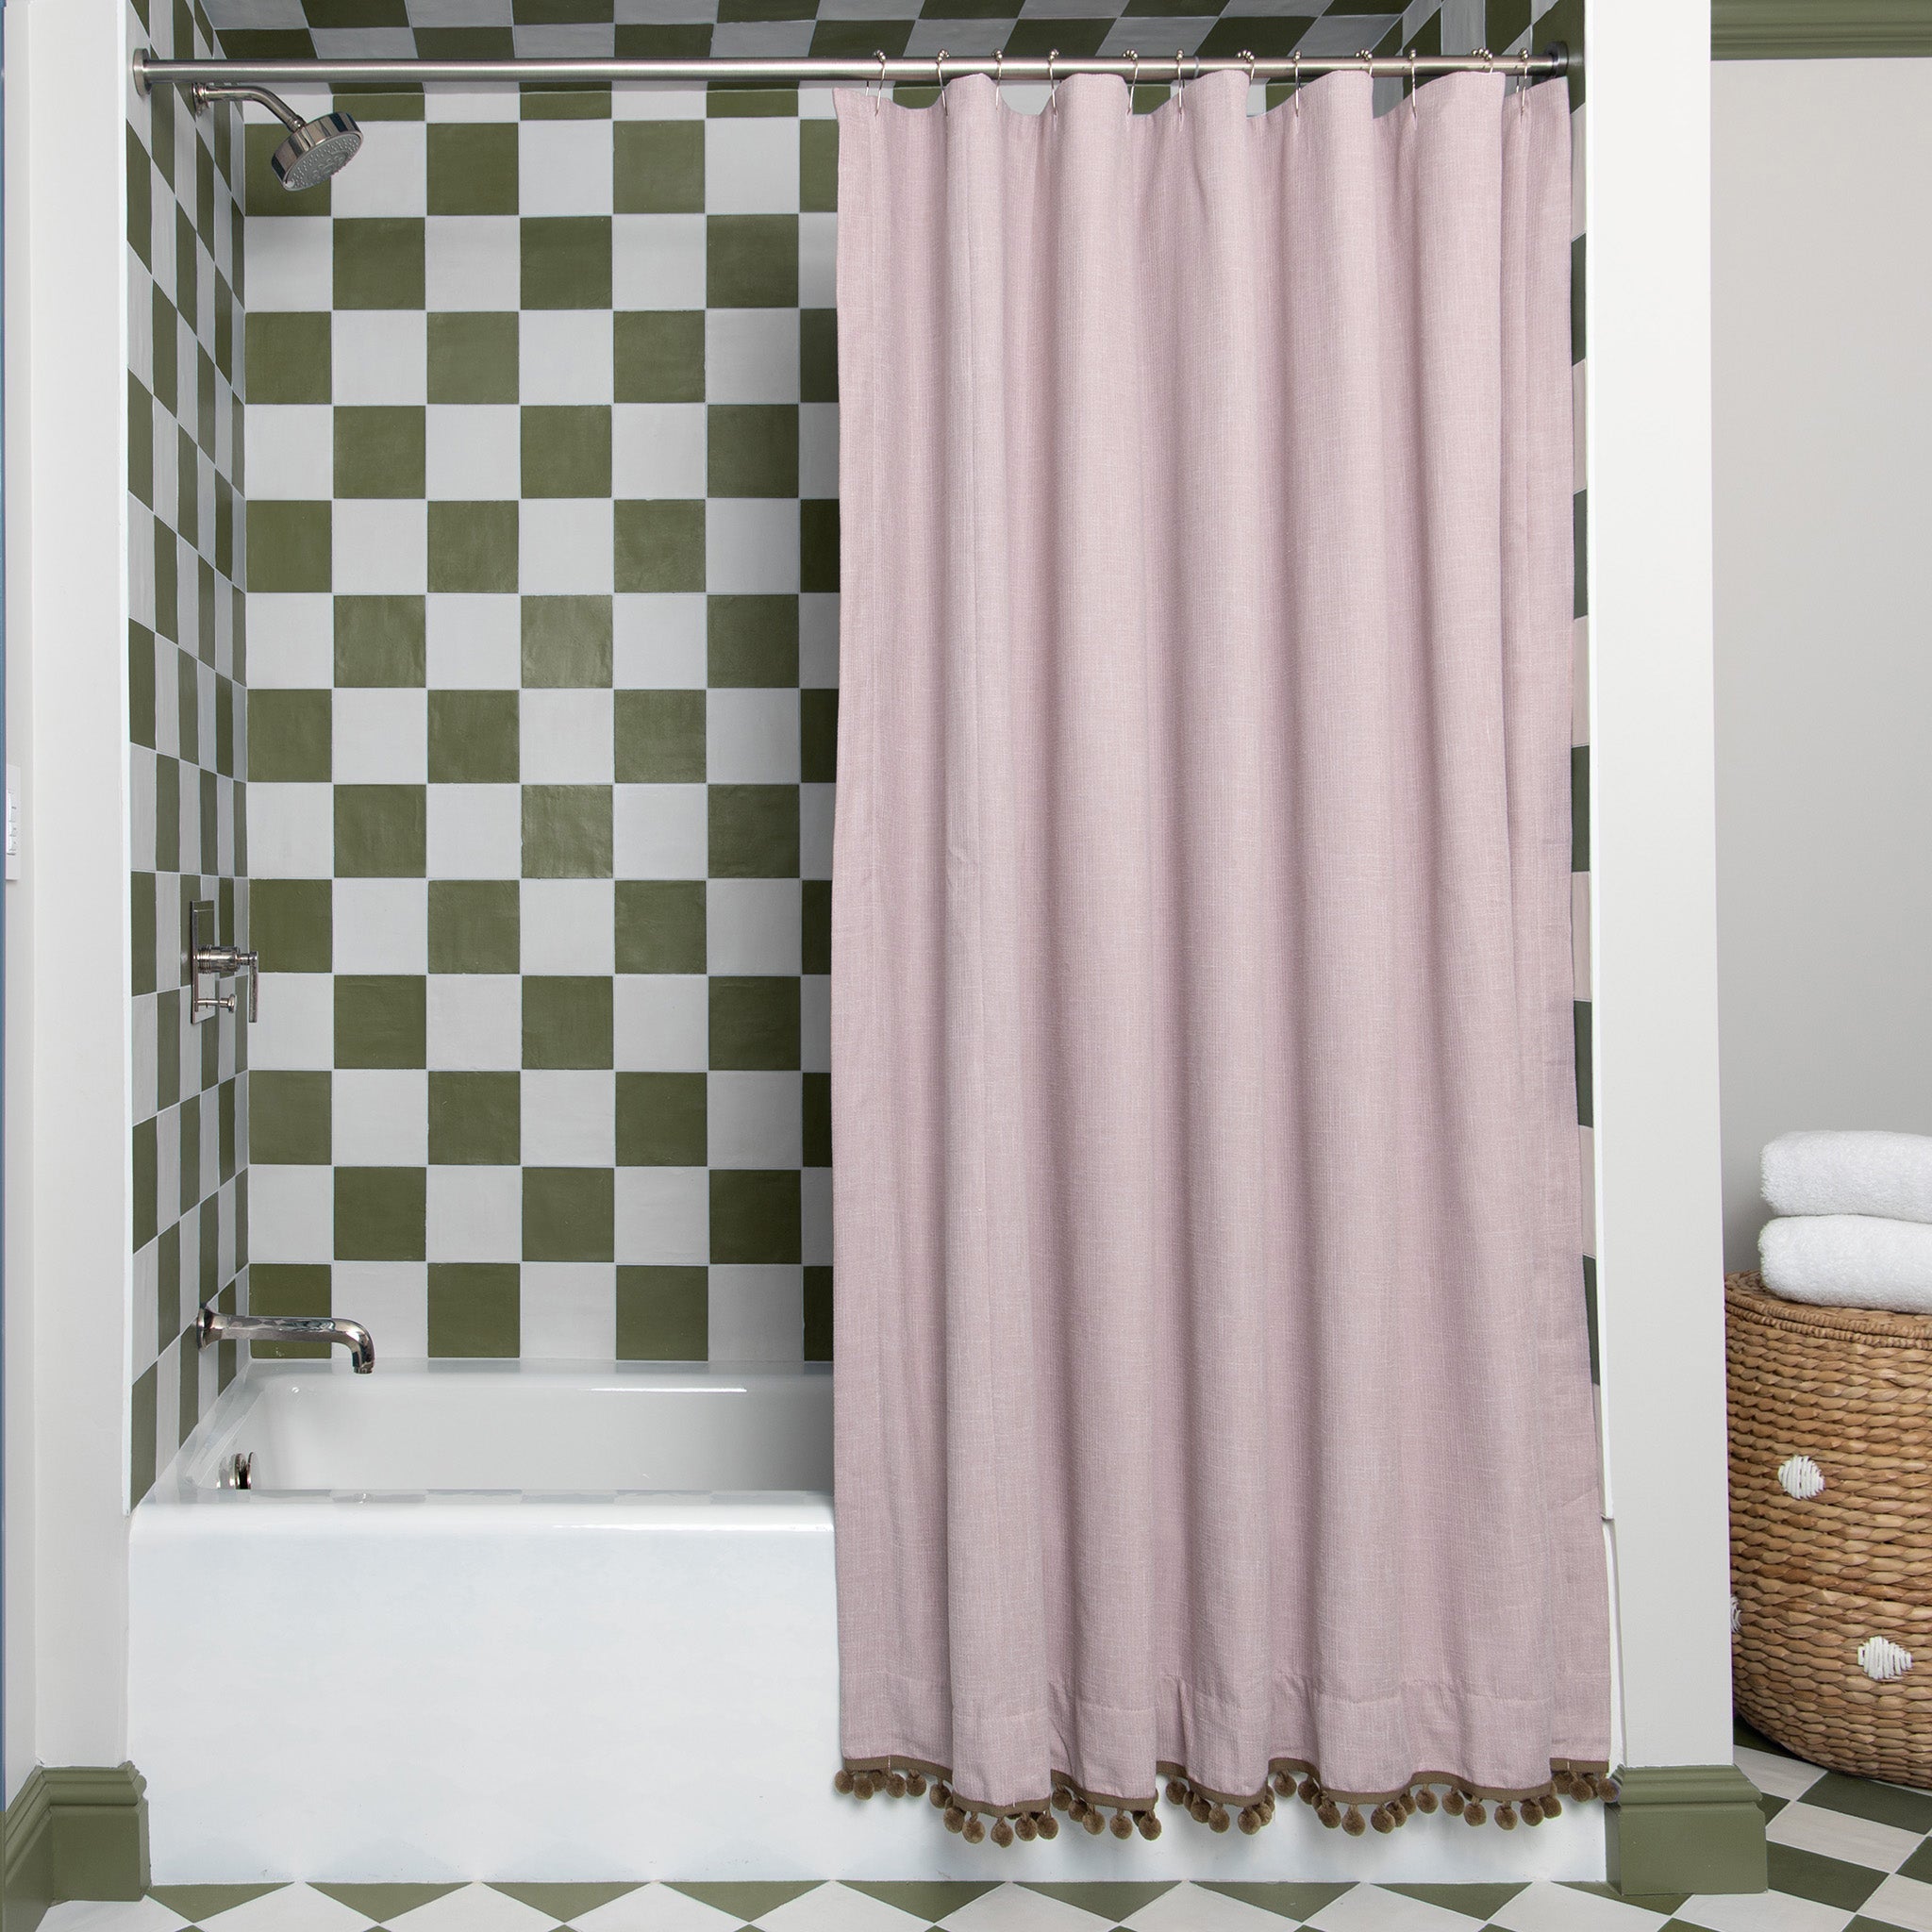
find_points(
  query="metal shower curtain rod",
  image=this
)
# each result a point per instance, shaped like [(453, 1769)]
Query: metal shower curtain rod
[(880, 69)]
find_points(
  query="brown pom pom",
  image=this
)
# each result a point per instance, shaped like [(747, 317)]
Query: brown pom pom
[(915, 1783), (1452, 1802), (1532, 1810), (956, 1819), (1283, 1782), (1002, 1832), (1505, 1817), (1121, 1825), (1563, 1780), (941, 1797), (1407, 1801), (1265, 1805), (1553, 1806), (1199, 1808), (973, 1830), (863, 1784), (1607, 1788), (1329, 1812), (1025, 1825), (1425, 1799), (1217, 1818), (1381, 1818), (1309, 1792), (1049, 1825), (1062, 1797), (1249, 1821), (841, 1782), (1090, 1818), (1473, 1813), (895, 1784), (1352, 1822), (1149, 1824), (1176, 1791)]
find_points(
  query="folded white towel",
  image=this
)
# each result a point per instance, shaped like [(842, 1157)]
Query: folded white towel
[(1887, 1174), (1849, 1260)]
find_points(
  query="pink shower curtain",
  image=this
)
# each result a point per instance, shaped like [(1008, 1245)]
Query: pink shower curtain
[(1213, 1401)]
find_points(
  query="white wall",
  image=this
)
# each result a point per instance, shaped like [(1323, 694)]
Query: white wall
[(1821, 290)]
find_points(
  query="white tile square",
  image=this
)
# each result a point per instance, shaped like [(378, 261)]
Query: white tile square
[(116, 1915), (658, 450), (751, 165), (291, 1213), (663, 1216), (570, 1118), (473, 831), (818, 255), (566, 40), (568, 926), (1840, 1835), (754, 1119), (659, 831), (292, 831), (145, 1015), (815, 831), (381, 1116), (838, 1908), (776, 39), (291, 641), (1904, 1902), (474, 643), (381, 925), (750, 545), (1548, 1907), (564, 168), (569, 1314), (381, 734), (1191, 1908), (297, 1026), (567, 736), (655, 1907), (475, 1020), (565, 546), (752, 926), (290, 453), (473, 1214), (1013, 1908), (1781, 1777), (468, 263), (472, 452), (818, 449), (658, 261), (1761, 1911), (815, 1023), (391, 1299), (391, 174), (815, 1188), (751, 737), (751, 354), (566, 355), (381, 547), (291, 264), (660, 641), (168, 1155), (380, 355), (662, 1022), (467, 103), (479, 1908)]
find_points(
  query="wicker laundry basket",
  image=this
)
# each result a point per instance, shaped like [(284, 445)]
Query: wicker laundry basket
[(1831, 1530)]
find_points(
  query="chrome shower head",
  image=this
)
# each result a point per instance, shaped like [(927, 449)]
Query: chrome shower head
[(314, 151)]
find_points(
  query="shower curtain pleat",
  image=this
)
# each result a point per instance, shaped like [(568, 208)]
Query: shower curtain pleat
[(1212, 1392)]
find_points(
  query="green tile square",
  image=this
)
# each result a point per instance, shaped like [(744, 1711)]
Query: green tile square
[(164, 355), (288, 357), (660, 1120), (289, 1118), (659, 353), (380, 642), (566, 642), (566, 261), (474, 1309), (140, 442), (473, 358), (567, 832), (475, 1120), (1883, 1804), (262, 190), (566, 450), (818, 736), (751, 641), (569, 1214), (472, 167), (659, 167), (565, 102), (663, 1314), (818, 1314), (818, 354), (679, 40), (660, 545), (288, 735), (754, 1022), (289, 924), (1827, 1881), (474, 925), (474, 737), (750, 262), (815, 915), (188, 1117), (833, 39), (378, 261), (168, 567), (380, 1019), (755, 1215), (566, 1021), (142, 1425), (818, 166), (141, 930), (379, 451), (473, 547), (146, 1156), (752, 449), (660, 737), (754, 831), (379, 1213), (288, 550), (660, 926), (284, 1288), (818, 1120), (380, 831), (818, 544)]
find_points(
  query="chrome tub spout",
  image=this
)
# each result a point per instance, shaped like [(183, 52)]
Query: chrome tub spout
[(215, 1327)]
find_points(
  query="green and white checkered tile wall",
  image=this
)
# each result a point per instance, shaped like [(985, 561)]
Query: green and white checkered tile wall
[(540, 540)]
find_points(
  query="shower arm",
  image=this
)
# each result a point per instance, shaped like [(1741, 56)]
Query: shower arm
[(203, 91)]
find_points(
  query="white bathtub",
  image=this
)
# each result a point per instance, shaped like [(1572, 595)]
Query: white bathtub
[(539, 1623)]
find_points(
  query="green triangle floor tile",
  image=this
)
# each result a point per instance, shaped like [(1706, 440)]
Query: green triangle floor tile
[(564, 1902), (1882, 1804), (1474, 1901), (930, 1899), (1664, 1901), (1919, 1865), (1860, 1924), (385, 1903), (1827, 1881), (747, 1899), (1286, 1900), (199, 1901), (1118, 1899)]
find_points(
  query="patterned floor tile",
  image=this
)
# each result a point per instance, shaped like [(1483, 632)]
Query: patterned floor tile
[(1372, 1908), (1763, 1911), (928, 1900), (656, 1908), (1860, 1797), (201, 1903), (1195, 1909), (563, 1903), (1546, 1908), (1774, 1773), (292, 1908), (385, 1904), (1020, 1909), (477, 1908), (118, 1915), (1903, 1902), (839, 1909), (1840, 1835)]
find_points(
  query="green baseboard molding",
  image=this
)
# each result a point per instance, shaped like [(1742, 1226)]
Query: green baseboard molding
[(73, 1831), (1819, 29), (1685, 1828)]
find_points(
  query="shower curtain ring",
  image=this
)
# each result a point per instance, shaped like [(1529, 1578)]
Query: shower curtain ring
[(1488, 58), (1180, 54), (879, 54), (1297, 86), (1412, 87), (1247, 55), (999, 61), (1134, 80), (938, 60), (1052, 86), (1522, 79), (1367, 58)]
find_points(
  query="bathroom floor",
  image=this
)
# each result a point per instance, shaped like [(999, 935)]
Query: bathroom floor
[(1845, 1856)]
